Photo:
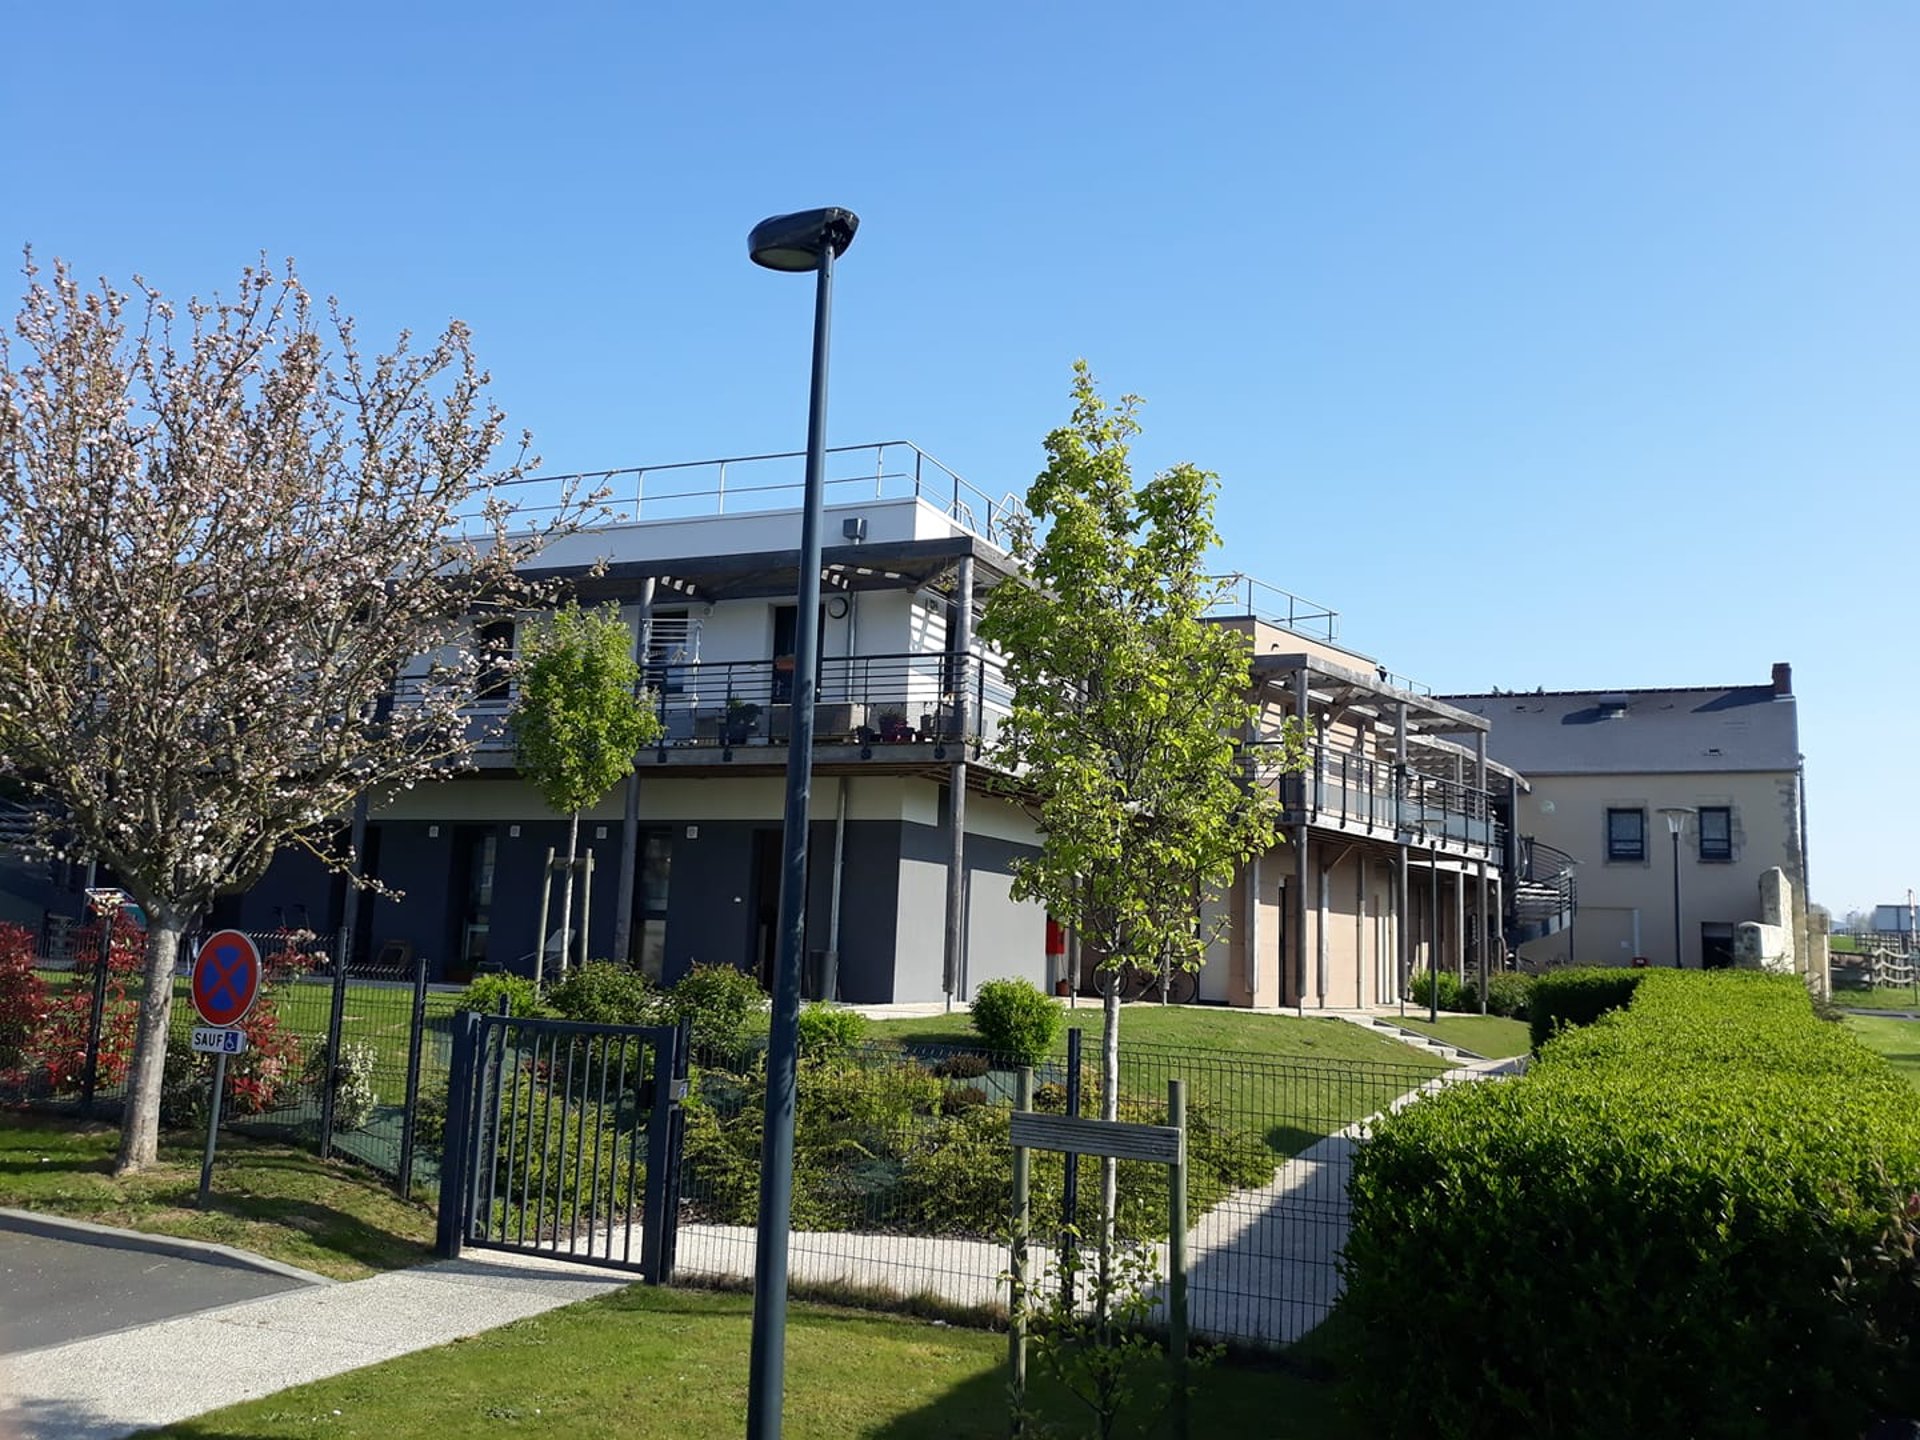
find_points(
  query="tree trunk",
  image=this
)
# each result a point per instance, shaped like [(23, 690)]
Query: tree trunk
[(567, 937), (140, 1121), (1109, 1110)]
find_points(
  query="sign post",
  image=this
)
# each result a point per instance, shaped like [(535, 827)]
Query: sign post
[(226, 982)]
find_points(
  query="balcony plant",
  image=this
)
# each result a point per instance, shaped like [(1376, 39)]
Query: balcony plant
[(893, 727), (743, 719)]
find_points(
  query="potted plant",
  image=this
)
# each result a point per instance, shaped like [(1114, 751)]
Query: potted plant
[(743, 718), (893, 726)]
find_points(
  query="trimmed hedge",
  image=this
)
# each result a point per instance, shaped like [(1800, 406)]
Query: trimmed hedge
[(1577, 997), (1507, 994), (1693, 1217)]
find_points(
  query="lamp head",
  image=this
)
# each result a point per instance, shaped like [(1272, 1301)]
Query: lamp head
[(796, 242)]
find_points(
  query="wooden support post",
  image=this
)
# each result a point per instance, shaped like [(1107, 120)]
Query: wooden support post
[(1017, 1261), (540, 940), (1177, 1259)]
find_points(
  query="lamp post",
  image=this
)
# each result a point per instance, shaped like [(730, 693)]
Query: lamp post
[(1676, 822), (801, 242)]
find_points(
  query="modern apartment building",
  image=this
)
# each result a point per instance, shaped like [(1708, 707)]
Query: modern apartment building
[(908, 824), (1636, 784), (1395, 850)]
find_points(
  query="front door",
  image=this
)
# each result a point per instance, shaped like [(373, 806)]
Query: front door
[(765, 935), (474, 850)]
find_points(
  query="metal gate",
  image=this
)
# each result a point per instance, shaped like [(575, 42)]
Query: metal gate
[(563, 1139)]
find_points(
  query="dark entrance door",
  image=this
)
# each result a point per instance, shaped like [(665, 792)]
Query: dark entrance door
[(471, 890), (765, 936), (564, 1138)]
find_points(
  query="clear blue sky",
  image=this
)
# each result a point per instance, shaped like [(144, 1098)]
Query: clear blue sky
[(1576, 349)]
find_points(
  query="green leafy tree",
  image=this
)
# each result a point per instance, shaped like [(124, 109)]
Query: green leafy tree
[(580, 718), (1129, 707)]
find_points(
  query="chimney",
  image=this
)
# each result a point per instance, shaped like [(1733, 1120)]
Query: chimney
[(1782, 679)]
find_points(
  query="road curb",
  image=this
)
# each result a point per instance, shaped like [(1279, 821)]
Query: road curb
[(59, 1227)]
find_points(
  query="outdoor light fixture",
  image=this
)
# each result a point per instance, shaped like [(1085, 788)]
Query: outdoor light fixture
[(808, 240), (1676, 822), (801, 241)]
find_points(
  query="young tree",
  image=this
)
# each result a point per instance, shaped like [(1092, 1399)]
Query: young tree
[(222, 539), (579, 720), (1128, 707)]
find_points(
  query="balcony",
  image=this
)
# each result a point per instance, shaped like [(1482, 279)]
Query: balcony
[(1359, 794), (899, 708)]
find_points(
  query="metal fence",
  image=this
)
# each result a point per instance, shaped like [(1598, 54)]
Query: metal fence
[(338, 1057), (903, 1162), (903, 1174)]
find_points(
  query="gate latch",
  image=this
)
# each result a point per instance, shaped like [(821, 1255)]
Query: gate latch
[(677, 1091)]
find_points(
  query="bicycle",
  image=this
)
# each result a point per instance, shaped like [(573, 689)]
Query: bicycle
[(1139, 982)]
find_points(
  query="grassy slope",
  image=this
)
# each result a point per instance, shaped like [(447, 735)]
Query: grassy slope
[(1898, 1040), (650, 1364), (1323, 1074), (1277, 1037), (1491, 1035), (275, 1200)]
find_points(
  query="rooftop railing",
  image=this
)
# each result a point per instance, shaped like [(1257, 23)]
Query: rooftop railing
[(747, 484), (1241, 594)]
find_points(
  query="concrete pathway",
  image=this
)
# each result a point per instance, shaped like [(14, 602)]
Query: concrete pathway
[(111, 1385)]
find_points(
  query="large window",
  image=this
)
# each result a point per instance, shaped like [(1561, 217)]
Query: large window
[(493, 643), (1716, 834), (1626, 834)]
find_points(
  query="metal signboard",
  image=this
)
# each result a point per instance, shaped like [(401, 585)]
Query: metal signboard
[(210, 1040), (226, 978)]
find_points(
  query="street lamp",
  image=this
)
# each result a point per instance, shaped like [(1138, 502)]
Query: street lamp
[(1676, 822), (805, 241)]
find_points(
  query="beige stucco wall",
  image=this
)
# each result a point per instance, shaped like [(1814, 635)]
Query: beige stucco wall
[(1569, 812)]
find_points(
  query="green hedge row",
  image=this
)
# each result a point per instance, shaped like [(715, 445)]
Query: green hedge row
[(1577, 997), (1698, 1216)]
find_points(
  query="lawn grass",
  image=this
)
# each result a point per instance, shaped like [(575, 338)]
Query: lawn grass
[(1196, 1027), (1293, 1081), (661, 1364), (275, 1200), (1494, 1036), (1898, 1040), (1853, 996)]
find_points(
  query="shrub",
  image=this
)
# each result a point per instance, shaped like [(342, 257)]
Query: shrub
[(963, 1066), (1577, 997), (354, 1098), (1453, 994), (828, 1030), (23, 995), (1016, 1019), (1709, 1165), (1510, 994), (483, 996), (720, 1002), (603, 993)]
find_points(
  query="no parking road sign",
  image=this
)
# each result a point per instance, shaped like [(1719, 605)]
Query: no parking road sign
[(226, 978), (226, 982)]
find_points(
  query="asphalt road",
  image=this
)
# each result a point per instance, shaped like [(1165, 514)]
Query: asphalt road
[(53, 1291)]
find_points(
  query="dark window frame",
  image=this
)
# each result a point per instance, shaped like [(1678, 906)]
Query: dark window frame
[(1718, 851), (495, 643), (1620, 849)]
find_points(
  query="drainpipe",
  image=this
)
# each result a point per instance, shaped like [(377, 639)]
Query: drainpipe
[(630, 816), (1403, 902), (830, 981), (960, 643)]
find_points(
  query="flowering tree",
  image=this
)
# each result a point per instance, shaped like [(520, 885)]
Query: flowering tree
[(580, 717), (224, 537)]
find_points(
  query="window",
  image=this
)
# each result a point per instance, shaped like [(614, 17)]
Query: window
[(1716, 834), (493, 643), (1626, 835)]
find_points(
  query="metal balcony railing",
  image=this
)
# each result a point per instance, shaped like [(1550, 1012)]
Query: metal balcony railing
[(1342, 787), (745, 484), (873, 700)]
